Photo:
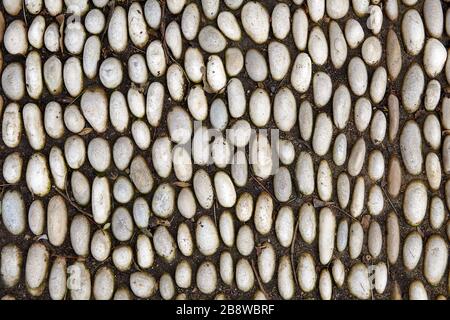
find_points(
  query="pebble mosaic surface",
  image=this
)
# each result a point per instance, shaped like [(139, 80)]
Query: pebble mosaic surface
[(206, 149)]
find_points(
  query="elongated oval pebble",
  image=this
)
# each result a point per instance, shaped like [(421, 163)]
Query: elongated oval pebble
[(371, 51), (363, 114), (306, 272), (13, 212), (357, 204), (206, 277), (354, 33), (244, 275), (80, 235), (36, 217), (437, 212), (434, 57), (10, 265), (57, 283), (267, 262), (357, 76), (206, 235), (325, 285), (394, 117), (375, 239), (435, 259), (412, 88), (342, 235), (415, 202), (261, 156), (263, 217), (322, 134), (378, 85), (15, 38), (338, 272), (327, 228), (122, 224), (412, 250), (57, 218), (343, 190), (226, 228), (393, 55), (381, 277), (284, 226), (255, 20), (411, 147), (203, 189), (234, 61), (324, 181), (32, 120), (322, 89), (256, 65), (358, 281), (433, 170), (245, 240), (228, 24), (417, 291), (184, 240), (183, 274), (13, 82), (357, 157), (36, 268), (301, 73), (356, 240), (38, 175), (337, 9), (434, 17), (211, 40), (279, 60), (286, 284), (338, 45), (226, 194), (341, 106), (122, 257), (33, 75), (413, 32), (226, 267), (281, 21), (392, 9), (392, 237), (317, 46), (164, 244), (143, 284)]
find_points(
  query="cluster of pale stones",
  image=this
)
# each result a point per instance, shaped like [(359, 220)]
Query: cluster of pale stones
[(100, 201)]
